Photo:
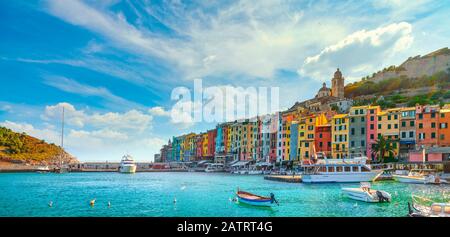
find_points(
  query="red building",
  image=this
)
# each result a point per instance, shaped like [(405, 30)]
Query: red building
[(323, 138), (199, 147), (211, 142)]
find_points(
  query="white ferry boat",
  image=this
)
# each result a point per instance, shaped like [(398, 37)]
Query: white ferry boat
[(215, 167), (127, 165), (323, 170)]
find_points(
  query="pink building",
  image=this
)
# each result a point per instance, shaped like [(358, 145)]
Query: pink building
[(372, 126), (432, 154)]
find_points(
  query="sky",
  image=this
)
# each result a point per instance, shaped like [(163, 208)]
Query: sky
[(113, 64)]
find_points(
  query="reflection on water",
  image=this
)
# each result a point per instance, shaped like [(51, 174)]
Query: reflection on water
[(196, 194)]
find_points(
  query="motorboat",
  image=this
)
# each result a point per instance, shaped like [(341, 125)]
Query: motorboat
[(436, 209), (215, 167), (420, 176), (127, 165), (366, 194), (256, 200), (324, 170)]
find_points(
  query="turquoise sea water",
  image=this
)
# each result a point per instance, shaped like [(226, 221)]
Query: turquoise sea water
[(197, 194)]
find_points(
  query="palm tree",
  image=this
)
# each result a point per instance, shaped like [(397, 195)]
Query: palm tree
[(383, 146)]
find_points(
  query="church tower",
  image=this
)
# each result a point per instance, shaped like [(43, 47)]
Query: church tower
[(337, 85)]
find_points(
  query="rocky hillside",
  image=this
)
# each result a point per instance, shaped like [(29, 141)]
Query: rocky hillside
[(415, 67), (22, 148)]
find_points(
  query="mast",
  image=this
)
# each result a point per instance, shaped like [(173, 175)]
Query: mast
[(62, 137)]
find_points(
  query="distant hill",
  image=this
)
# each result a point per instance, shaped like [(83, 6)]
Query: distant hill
[(415, 67), (22, 148)]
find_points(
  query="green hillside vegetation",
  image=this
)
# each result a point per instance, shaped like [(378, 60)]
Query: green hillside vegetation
[(21, 147), (440, 81)]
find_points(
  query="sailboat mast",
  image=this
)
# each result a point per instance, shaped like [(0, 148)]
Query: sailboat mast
[(62, 136)]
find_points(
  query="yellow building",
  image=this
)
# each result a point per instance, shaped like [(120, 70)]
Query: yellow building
[(389, 127), (205, 144), (189, 146), (229, 139), (339, 138), (307, 130)]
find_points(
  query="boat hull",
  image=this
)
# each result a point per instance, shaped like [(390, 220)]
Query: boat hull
[(255, 203), (415, 179), (127, 169), (339, 177), (360, 195)]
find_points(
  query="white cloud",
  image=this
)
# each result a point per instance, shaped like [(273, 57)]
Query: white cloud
[(132, 120), (72, 86), (265, 35), (158, 111), (359, 53)]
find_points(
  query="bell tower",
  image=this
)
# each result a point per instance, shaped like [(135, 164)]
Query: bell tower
[(337, 85)]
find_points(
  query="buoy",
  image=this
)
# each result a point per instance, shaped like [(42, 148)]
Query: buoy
[(50, 204), (356, 204), (183, 188), (92, 202), (175, 200), (109, 204)]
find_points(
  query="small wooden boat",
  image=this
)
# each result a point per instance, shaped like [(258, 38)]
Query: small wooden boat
[(256, 200), (365, 194)]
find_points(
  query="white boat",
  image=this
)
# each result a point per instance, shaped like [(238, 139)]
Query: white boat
[(323, 170), (436, 209), (420, 176), (127, 165), (365, 194), (215, 167)]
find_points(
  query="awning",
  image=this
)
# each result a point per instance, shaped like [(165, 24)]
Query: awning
[(241, 163)]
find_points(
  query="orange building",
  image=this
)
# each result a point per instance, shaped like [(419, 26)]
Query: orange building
[(427, 119), (444, 129)]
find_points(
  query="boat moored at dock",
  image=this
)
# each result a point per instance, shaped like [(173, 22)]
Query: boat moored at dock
[(215, 167), (420, 176), (323, 170), (127, 165), (436, 209)]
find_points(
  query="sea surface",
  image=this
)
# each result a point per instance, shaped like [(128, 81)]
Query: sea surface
[(196, 194)]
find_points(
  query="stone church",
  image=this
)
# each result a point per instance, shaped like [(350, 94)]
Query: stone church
[(327, 98)]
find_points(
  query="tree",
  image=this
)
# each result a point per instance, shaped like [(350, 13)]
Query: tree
[(383, 146)]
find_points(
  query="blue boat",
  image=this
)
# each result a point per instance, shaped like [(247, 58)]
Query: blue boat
[(256, 200)]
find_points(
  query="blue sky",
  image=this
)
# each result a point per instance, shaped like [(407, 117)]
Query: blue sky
[(113, 64)]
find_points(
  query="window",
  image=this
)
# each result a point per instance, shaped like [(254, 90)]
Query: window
[(442, 115), (389, 117), (352, 143), (363, 143), (372, 111), (420, 125), (353, 131), (395, 116), (372, 136), (403, 134), (411, 134), (433, 125), (306, 144), (442, 136), (389, 126), (420, 116), (320, 144), (347, 169), (379, 118), (403, 124), (444, 125), (372, 118), (320, 135), (372, 126), (379, 126), (433, 135), (395, 126), (363, 131), (433, 115), (411, 123)]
